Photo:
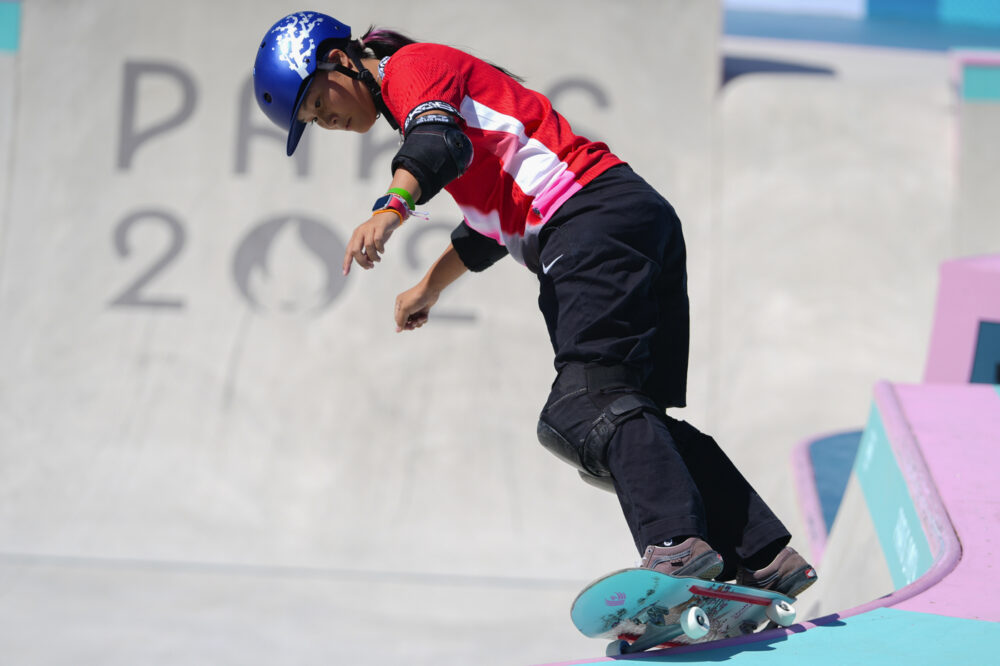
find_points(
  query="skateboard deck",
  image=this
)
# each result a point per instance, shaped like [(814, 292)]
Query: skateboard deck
[(639, 609)]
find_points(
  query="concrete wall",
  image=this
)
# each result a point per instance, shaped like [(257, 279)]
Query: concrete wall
[(832, 209), (172, 298), (9, 38), (200, 415)]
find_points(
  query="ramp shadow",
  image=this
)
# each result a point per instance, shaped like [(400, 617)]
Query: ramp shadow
[(736, 66), (766, 641)]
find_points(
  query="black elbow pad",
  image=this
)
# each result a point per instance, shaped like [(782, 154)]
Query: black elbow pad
[(476, 251), (436, 151)]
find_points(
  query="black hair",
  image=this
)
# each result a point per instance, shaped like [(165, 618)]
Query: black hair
[(383, 43)]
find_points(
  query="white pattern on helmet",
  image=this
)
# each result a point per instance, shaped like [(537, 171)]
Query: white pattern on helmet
[(291, 43)]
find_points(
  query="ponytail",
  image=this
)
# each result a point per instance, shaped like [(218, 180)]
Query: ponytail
[(383, 43)]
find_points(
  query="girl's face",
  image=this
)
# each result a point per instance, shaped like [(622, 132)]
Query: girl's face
[(335, 101)]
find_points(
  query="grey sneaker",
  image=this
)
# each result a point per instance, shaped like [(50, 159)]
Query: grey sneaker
[(788, 574), (692, 557)]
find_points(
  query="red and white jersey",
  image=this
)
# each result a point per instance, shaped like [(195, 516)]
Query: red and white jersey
[(526, 162)]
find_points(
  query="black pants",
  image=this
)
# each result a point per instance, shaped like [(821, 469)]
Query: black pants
[(613, 290)]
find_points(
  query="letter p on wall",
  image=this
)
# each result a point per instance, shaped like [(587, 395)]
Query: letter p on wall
[(130, 137)]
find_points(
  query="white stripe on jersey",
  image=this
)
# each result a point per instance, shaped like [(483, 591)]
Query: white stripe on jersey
[(532, 165)]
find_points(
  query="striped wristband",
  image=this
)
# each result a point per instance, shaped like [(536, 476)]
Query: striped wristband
[(406, 196), (393, 203)]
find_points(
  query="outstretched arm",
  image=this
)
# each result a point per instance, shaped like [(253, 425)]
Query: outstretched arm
[(368, 241), (414, 304), (436, 151)]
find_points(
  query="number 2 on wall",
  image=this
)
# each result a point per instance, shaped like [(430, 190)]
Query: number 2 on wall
[(135, 296)]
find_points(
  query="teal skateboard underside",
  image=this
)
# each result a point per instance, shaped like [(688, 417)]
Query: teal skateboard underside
[(647, 607)]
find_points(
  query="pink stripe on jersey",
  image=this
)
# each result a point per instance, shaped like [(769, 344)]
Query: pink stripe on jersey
[(562, 188)]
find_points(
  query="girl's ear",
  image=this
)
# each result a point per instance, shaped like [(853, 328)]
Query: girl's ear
[(338, 57)]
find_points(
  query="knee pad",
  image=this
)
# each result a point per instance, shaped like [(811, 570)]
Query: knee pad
[(585, 409), (568, 453)]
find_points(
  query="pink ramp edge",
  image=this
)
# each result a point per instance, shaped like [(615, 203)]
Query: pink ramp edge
[(961, 58), (963, 301), (959, 431)]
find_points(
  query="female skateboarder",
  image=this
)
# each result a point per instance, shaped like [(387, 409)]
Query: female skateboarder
[(608, 252)]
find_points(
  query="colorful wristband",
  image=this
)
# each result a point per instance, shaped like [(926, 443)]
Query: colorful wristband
[(407, 197), (394, 203)]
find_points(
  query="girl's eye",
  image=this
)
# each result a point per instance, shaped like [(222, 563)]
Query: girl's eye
[(316, 105)]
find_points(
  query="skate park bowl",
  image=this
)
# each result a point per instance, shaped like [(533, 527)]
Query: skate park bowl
[(215, 449)]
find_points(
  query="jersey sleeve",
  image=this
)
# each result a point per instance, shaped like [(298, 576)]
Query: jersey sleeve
[(422, 78)]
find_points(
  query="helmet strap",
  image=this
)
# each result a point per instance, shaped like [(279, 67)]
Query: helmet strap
[(364, 76)]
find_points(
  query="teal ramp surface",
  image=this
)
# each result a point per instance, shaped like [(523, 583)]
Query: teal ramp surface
[(10, 26), (883, 636)]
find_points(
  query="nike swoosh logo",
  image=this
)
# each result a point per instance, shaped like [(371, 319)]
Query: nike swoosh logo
[(547, 268)]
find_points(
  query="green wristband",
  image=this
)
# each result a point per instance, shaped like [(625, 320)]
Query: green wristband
[(404, 195)]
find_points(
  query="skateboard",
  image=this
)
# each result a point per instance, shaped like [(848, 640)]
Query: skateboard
[(639, 609)]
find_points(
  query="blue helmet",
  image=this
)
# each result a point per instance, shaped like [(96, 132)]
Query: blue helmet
[(285, 64)]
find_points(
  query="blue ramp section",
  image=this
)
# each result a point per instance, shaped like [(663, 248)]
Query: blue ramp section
[(10, 26), (883, 636), (986, 366), (832, 459), (879, 32), (976, 12)]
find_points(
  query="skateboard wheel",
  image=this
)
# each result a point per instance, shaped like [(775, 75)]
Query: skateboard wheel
[(616, 648), (694, 623), (781, 613)]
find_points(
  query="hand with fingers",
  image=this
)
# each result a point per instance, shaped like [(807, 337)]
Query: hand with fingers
[(368, 241), (413, 307)]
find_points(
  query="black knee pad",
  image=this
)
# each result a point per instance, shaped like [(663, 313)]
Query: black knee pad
[(585, 409)]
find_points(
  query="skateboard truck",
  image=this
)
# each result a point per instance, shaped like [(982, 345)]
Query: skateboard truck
[(693, 623)]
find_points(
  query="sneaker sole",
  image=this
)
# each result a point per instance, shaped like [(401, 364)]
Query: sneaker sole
[(798, 582), (706, 567)]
